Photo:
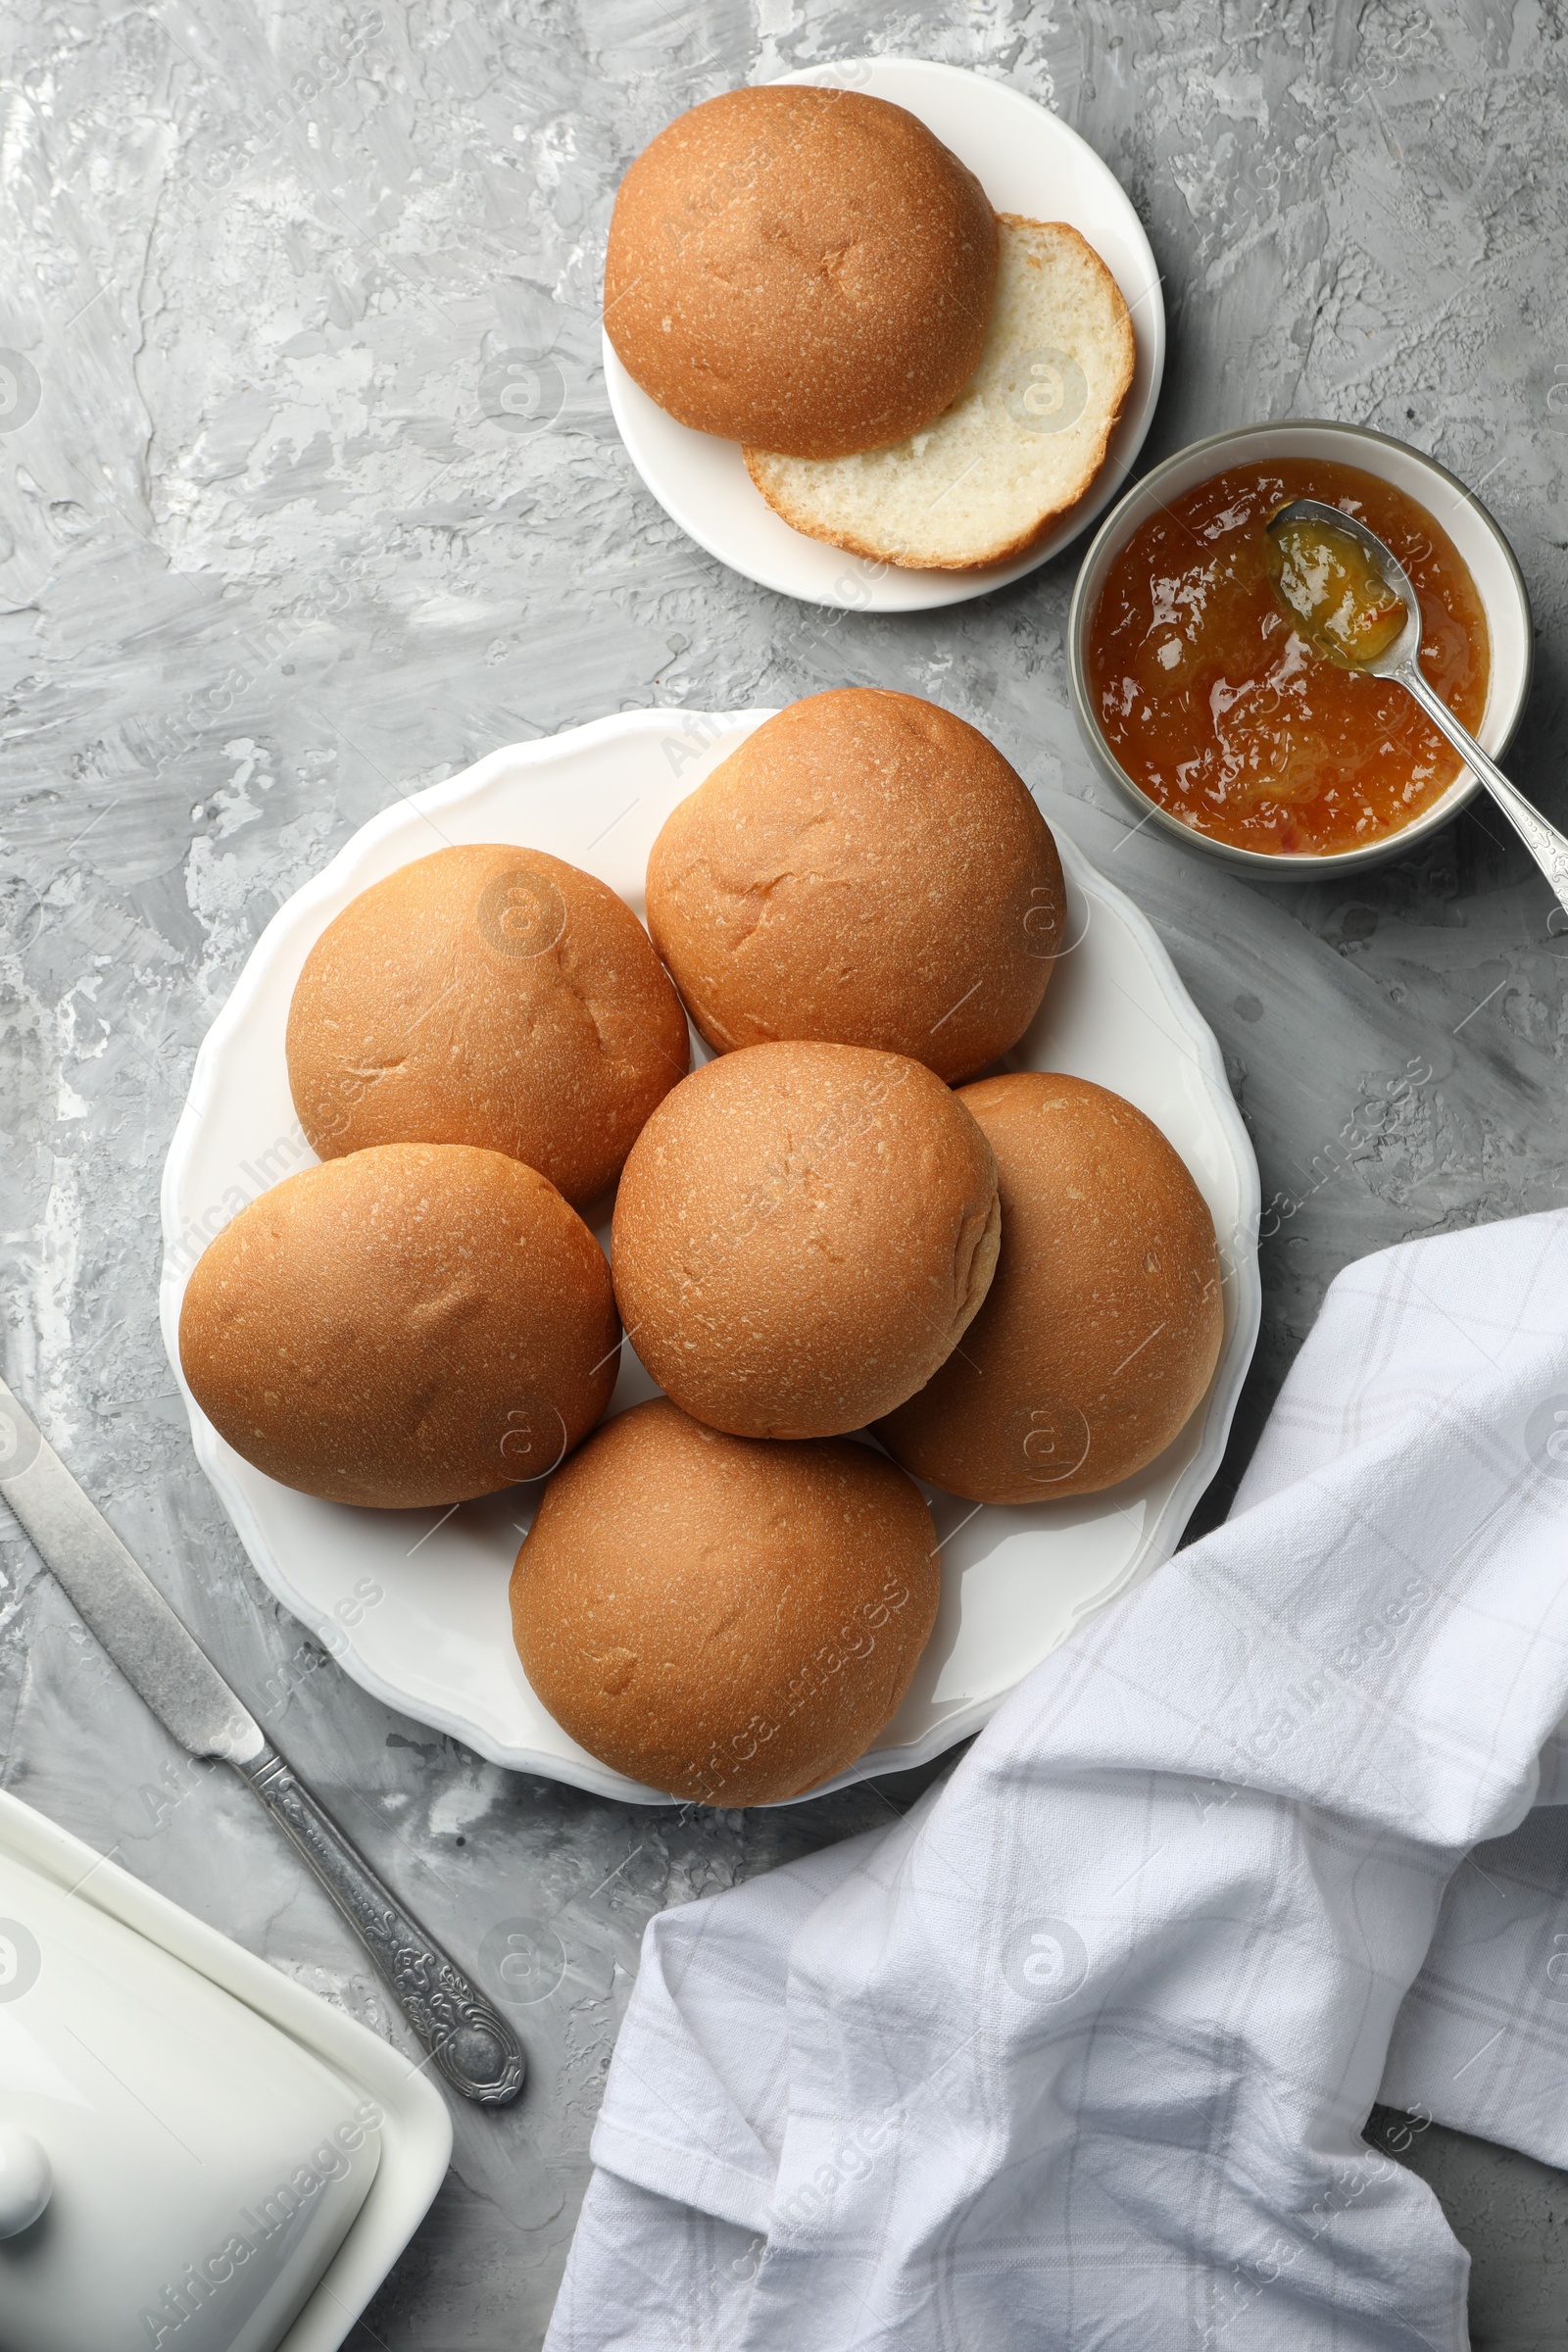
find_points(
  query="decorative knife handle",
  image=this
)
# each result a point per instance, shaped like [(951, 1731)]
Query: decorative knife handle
[(473, 2047)]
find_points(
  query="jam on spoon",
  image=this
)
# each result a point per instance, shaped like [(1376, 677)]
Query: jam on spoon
[(1349, 615), (1327, 583)]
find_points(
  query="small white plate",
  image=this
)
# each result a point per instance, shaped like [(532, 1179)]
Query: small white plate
[(413, 1603), (1028, 161)]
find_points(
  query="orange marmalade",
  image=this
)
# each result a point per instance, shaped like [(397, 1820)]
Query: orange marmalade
[(1220, 711)]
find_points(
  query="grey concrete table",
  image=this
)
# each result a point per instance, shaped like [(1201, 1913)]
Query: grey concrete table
[(280, 541)]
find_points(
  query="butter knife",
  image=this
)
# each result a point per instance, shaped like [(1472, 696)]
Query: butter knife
[(469, 2041)]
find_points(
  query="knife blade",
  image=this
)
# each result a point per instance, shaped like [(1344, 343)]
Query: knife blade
[(171, 1673), (116, 1598)]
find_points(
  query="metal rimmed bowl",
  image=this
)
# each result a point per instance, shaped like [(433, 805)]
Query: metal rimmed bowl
[(1480, 546)]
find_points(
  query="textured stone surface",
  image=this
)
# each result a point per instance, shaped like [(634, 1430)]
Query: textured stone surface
[(281, 539)]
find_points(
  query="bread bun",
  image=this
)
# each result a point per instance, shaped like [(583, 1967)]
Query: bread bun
[(866, 869), (808, 270), (1018, 447), (728, 1621), (1104, 1324), (412, 1325), (490, 995), (801, 1234)]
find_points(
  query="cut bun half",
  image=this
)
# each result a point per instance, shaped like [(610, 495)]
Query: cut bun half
[(1021, 443)]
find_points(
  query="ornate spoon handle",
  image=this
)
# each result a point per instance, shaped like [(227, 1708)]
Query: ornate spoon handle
[(1546, 846), (473, 2047)]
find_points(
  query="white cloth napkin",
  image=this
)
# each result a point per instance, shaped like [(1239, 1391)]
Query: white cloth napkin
[(1078, 2054)]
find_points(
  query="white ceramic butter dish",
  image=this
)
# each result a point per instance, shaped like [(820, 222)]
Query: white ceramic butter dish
[(215, 2160)]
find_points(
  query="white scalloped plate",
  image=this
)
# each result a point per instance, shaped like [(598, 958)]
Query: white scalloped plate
[(1028, 161), (414, 1605)]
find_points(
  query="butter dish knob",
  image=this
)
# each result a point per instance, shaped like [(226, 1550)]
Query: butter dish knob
[(469, 2041), (25, 2181)]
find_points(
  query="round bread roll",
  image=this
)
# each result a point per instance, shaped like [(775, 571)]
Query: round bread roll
[(728, 1621), (868, 869), (1104, 1325), (491, 996), (802, 1235), (412, 1325), (808, 271)]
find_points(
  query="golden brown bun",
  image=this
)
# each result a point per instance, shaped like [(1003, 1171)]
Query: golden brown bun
[(412, 1325), (866, 869), (809, 271), (730, 1621), (489, 995), (801, 1234), (1104, 1324)]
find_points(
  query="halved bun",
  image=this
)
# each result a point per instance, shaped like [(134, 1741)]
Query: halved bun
[(1021, 443), (808, 269)]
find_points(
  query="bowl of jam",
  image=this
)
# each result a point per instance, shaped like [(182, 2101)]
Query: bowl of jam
[(1199, 697)]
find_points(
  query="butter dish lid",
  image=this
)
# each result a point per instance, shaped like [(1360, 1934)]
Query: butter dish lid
[(194, 2152)]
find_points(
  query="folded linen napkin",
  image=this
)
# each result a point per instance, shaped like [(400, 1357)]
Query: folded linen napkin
[(1079, 2052)]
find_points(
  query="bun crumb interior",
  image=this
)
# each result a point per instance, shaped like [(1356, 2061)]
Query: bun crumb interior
[(1021, 444)]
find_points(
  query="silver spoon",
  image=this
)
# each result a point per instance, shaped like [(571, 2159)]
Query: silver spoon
[(1400, 660)]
